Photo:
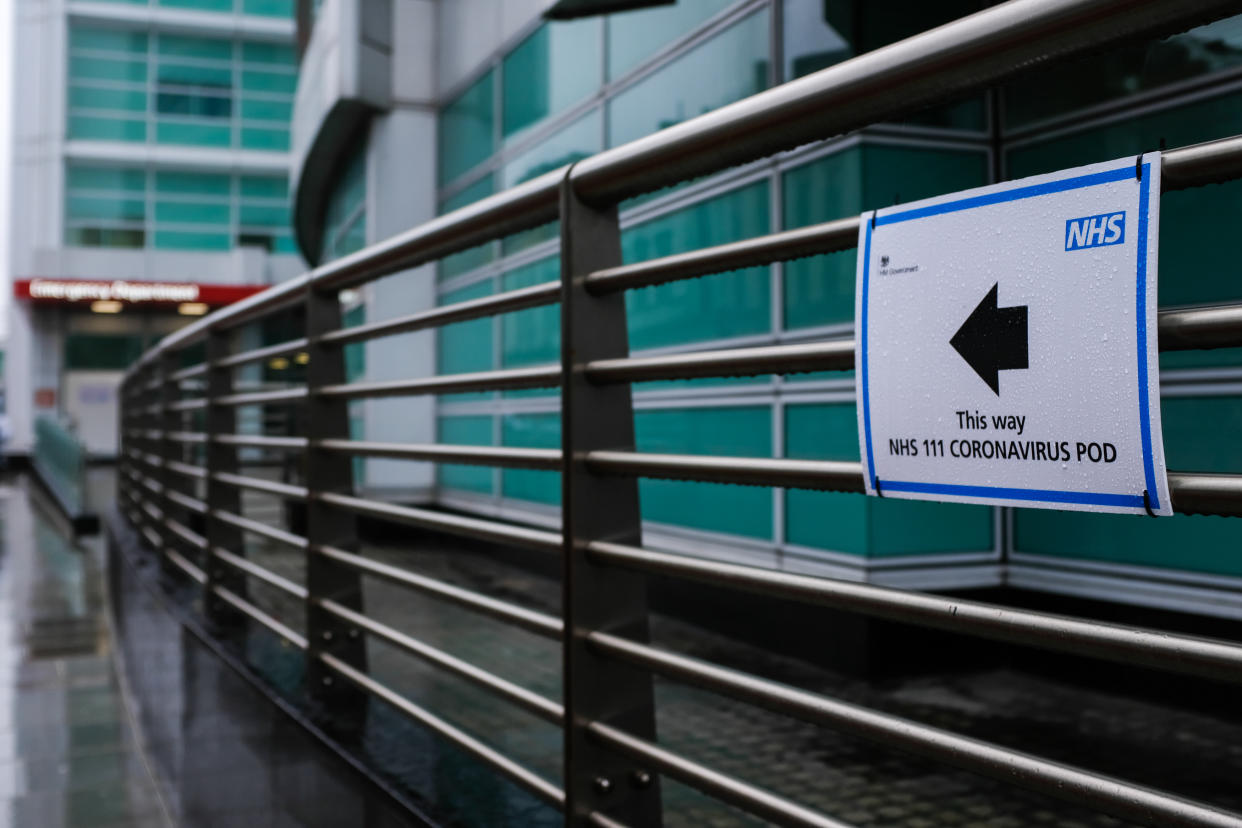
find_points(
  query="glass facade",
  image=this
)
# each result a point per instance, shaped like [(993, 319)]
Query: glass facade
[(264, 8), (107, 206), (568, 90), (166, 88)]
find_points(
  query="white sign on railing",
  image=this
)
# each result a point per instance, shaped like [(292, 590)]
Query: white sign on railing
[(1006, 348)]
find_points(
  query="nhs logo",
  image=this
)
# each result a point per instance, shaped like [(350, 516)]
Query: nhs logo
[(1095, 231)]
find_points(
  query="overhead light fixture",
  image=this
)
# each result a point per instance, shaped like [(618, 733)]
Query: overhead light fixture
[(302, 358), (278, 364), (106, 306), (192, 308)]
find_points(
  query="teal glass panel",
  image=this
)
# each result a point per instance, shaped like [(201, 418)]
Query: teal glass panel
[(206, 135), (637, 35), (201, 48), (104, 237), (266, 214), (197, 183), (107, 69), (1200, 434), (120, 209), (356, 353), (874, 527), (1197, 261), (182, 240), (820, 33), (285, 244), (732, 432), (194, 212), (532, 431), (344, 222), (551, 70), (820, 290), (475, 257), (465, 346), (268, 8), (266, 110), (468, 431), (579, 140), (106, 128), (252, 80), (97, 97), (532, 336), (466, 130), (729, 67), (1123, 71), (713, 307), (264, 139), (106, 178), (200, 5), (274, 53), (252, 186), (108, 40), (193, 74)]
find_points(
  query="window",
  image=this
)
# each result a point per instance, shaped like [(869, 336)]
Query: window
[(467, 130), (178, 89), (556, 67), (175, 210)]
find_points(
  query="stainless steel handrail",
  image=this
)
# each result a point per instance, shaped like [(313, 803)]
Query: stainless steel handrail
[(508, 457)]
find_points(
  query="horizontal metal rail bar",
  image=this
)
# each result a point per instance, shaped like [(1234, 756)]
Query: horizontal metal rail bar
[(185, 565), (258, 484), (534, 296), (487, 755), (261, 397), (529, 701), (186, 405), (153, 537), (763, 804), (256, 528), (531, 620), (252, 307), (250, 610), (834, 355), (841, 234), (260, 441), (1180, 330), (928, 68), (828, 475), (266, 575), (291, 346), (600, 820), (185, 436), (518, 458), (1082, 787), (543, 376), (186, 533), (476, 528), (189, 373), (1195, 165), (187, 502), (1127, 645), (185, 469), (1203, 494)]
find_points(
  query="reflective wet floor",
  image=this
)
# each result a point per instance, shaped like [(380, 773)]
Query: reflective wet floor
[(68, 752)]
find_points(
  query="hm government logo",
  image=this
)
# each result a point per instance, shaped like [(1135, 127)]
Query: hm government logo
[(886, 268)]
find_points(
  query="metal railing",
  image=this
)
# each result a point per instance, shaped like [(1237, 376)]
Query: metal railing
[(607, 709)]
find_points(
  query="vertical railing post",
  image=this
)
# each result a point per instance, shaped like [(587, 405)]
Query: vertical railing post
[(220, 497), (148, 421), (599, 508), (327, 525), (123, 443), (170, 421)]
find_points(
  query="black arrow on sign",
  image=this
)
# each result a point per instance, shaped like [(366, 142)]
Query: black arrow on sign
[(993, 339)]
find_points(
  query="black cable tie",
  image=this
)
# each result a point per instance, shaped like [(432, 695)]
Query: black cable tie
[(1138, 167), (1147, 504), (875, 484), (873, 219)]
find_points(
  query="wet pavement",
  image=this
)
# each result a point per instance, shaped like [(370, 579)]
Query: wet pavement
[(69, 755), (1173, 746)]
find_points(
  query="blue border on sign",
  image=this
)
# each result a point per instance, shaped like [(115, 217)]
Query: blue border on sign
[(986, 200)]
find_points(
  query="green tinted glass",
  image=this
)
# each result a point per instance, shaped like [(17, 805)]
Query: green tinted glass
[(108, 40), (532, 431), (468, 431), (107, 69), (269, 8), (582, 138), (730, 432), (464, 347), (260, 187), (95, 97), (713, 307), (201, 48), (106, 128), (729, 67), (122, 209), (185, 240), (198, 183), (466, 128), (531, 337), (191, 212), (637, 35), (277, 53), (552, 69), (475, 257)]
